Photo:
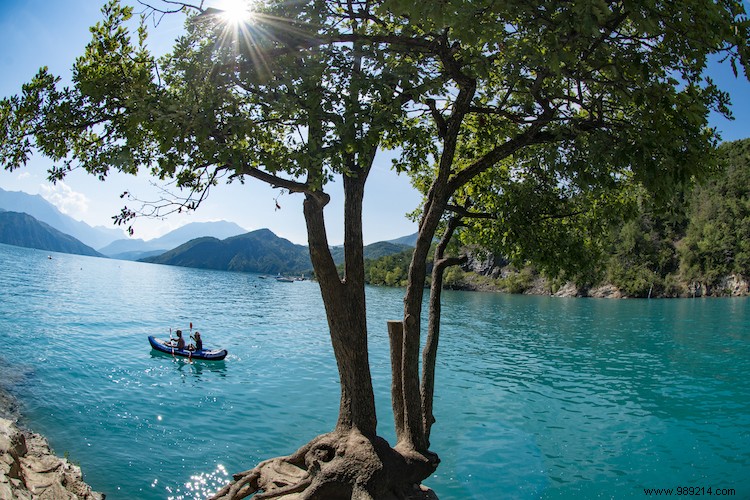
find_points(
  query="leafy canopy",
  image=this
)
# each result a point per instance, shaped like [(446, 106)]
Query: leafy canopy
[(573, 106), (528, 110)]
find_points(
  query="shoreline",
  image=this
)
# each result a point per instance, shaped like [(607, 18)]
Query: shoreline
[(29, 468), (493, 274)]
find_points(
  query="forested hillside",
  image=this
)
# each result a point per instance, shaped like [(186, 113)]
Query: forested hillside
[(23, 230), (699, 246), (259, 251), (696, 244), (717, 238)]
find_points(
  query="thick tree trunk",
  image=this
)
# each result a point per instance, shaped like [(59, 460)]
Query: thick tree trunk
[(344, 302), (351, 462)]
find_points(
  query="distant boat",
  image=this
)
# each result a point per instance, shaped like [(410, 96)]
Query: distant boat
[(284, 279)]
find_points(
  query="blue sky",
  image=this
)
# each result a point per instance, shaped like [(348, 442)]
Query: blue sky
[(36, 33)]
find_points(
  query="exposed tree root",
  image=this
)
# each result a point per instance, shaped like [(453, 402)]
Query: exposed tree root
[(339, 465)]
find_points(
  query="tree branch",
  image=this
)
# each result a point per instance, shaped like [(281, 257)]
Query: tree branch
[(530, 136), (275, 181), (439, 120), (464, 212), (429, 353)]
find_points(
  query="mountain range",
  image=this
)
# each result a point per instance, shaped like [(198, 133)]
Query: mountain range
[(44, 211), (258, 251), (110, 241), (209, 245), (23, 230), (136, 249)]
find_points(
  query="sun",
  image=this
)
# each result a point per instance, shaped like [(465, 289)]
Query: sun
[(235, 11)]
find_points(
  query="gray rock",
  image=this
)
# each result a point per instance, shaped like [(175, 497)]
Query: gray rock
[(484, 264), (30, 471)]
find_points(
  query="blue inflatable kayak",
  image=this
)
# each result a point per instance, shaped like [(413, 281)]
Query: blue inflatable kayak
[(166, 347)]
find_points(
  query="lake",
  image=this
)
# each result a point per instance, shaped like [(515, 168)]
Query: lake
[(537, 397)]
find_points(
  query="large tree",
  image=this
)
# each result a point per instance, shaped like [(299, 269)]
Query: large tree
[(514, 112)]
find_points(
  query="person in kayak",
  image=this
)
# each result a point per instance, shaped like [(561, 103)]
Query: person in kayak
[(180, 341), (198, 346)]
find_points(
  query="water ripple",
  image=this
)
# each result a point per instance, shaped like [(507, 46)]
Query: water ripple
[(536, 397)]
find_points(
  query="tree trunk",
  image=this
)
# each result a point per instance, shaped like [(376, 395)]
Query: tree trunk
[(344, 302), (429, 354), (351, 462), (413, 435), (396, 338), (437, 199)]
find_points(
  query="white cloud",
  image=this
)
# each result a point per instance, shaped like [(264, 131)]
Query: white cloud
[(65, 199)]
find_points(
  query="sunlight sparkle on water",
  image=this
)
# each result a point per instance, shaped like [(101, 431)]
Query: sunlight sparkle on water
[(201, 485)]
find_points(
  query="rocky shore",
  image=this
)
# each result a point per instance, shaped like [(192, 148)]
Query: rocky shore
[(488, 273), (29, 470)]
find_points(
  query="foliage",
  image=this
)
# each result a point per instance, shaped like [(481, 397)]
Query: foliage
[(575, 107), (717, 239), (389, 270), (641, 247), (541, 220), (649, 248)]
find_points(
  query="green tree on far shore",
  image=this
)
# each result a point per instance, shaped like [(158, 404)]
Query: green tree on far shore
[(390, 270), (699, 239), (717, 238), (649, 248)]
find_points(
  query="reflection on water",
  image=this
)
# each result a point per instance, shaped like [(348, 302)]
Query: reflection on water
[(201, 485), (193, 367)]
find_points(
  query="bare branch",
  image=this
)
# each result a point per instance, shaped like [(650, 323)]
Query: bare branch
[(274, 180), (170, 7)]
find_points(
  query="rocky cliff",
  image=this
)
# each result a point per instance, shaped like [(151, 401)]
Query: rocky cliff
[(486, 272), (29, 470)]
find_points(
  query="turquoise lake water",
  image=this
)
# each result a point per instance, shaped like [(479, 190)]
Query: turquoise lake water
[(537, 397)]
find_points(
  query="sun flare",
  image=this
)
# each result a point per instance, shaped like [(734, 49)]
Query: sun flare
[(235, 11)]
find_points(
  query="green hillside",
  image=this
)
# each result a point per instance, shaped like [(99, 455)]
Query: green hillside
[(23, 230), (372, 251), (258, 251)]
